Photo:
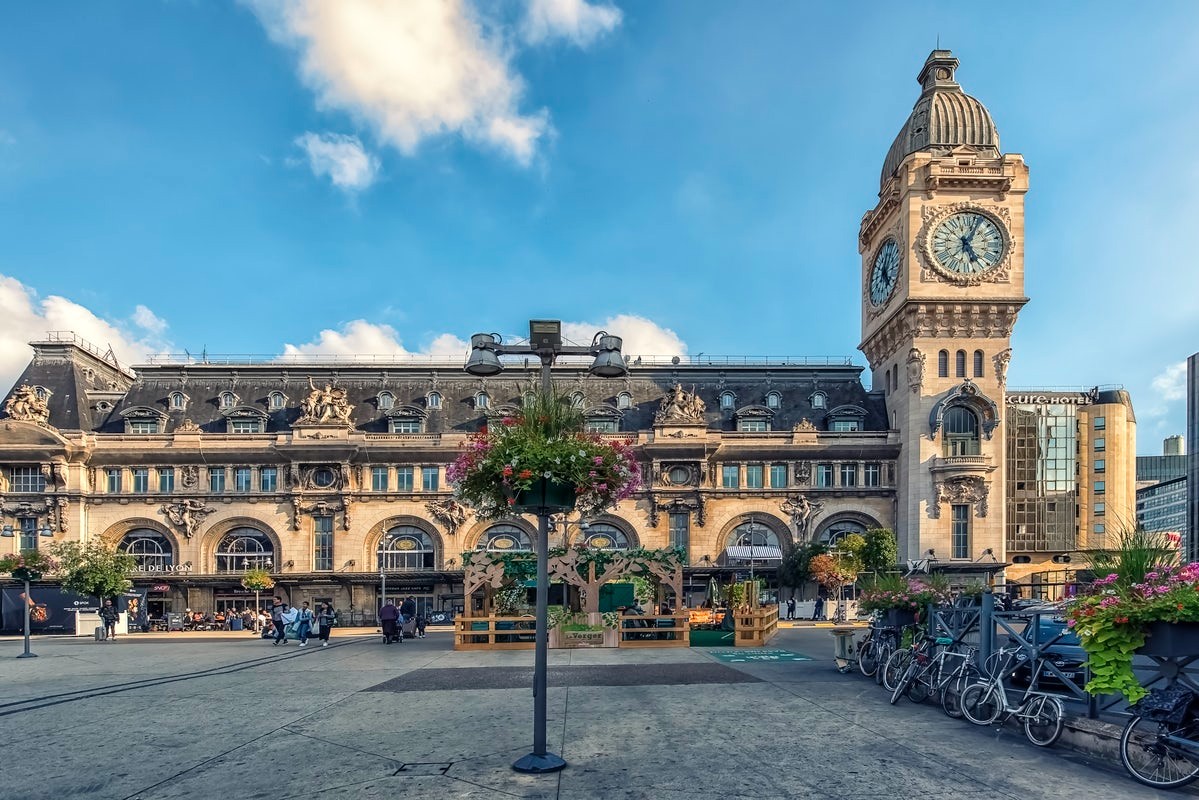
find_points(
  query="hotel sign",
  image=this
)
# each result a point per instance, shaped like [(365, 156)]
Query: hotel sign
[(1053, 398)]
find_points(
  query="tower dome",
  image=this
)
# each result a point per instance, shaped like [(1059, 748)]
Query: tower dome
[(944, 116)]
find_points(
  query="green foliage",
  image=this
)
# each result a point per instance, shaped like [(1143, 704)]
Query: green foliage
[(94, 568), (887, 592), (1138, 552), (849, 552), (832, 570), (28, 565), (795, 569), (511, 601), (257, 580), (881, 552), (733, 594)]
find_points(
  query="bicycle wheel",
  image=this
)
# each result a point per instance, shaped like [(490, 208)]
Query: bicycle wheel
[(951, 692), (885, 649), (868, 658), (894, 669), (1152, 759), (980, 704), (1042, 717), (905, 681), (920, 686)]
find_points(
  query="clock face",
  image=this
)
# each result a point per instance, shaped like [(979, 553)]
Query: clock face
[(885, 272), (968, 243)]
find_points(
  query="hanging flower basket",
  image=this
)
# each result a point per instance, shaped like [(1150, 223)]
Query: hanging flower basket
[(541, 461), (545, 496)]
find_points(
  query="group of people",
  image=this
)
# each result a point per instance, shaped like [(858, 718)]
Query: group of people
[(393, 620), (817, 608), (307, 622)]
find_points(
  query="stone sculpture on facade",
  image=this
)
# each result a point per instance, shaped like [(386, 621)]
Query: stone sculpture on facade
[(915, 370), (1001, 360), (680, 406), (328, 405), (187, 515), (448, 512), (26, 405), (801, 510), (189, 476), (964, 489), (187, 426), (803, 472), (804, 426)]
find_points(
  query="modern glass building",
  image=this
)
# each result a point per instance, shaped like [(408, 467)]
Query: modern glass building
[(1155, 469), (1163, 506)]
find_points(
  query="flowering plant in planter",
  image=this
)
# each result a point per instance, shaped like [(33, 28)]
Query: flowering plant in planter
[(1112, 619), (545, 442), (27, 565), (893, 593)]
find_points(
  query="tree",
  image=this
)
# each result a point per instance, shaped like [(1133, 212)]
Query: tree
[(881, 552), (795, 568), (94, 568)]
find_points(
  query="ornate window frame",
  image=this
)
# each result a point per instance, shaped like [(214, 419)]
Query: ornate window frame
[(965, 394), (143, 414)]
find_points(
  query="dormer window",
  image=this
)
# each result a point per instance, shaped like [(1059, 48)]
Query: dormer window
[(405, 425), (386, 400), (143, 420), (819, 400), (754, 419), (275, 401), (576, 400), (601, 419), (846, 419), (227, 400), (773, 400), (104, 405), (245, 419), (433, 399), (728, 401), (177, 401), (624, 400), (406, 419), (528, 398), (482, 401)]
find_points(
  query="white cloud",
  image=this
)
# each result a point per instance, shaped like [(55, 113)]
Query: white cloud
[(578, 21), (641, 336), (1171, 384), (410, 70), (341, 158), (28, 318)]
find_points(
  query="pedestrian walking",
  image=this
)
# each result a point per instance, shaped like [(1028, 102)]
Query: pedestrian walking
[(818, 608), (326, 618), (791, 608), (408, 615), (305, 619), (277, 610), (109, 616), (388, 615)]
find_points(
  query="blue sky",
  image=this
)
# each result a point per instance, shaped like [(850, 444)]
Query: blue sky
[(254, 177)]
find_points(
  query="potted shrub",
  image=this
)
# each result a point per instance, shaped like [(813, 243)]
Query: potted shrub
[(902, 600), (1140, 603), (541, 460)]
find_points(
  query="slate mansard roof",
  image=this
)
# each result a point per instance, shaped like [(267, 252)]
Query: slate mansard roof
[(89, 393)]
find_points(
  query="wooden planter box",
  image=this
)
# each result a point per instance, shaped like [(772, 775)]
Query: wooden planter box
[(583, 639), (1171, 639)]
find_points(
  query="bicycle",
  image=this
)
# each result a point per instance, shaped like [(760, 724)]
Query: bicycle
[(896, 665), (1159, 747), (1041, 714), (926, 676), (875, 648)]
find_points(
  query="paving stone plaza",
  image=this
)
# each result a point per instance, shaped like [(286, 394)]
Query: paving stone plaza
[(161, 717)]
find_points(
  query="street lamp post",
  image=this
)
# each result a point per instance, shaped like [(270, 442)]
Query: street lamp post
[(45, 531), (545, 342)]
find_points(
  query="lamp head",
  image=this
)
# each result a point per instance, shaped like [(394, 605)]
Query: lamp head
[(7, 531), (609, 362), (545, 334), (484, 358)]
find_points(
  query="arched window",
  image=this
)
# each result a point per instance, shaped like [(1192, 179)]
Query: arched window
[(275, 401), (602, 536), (837, 530), (228, 400), (482, 401), (773, 399), (177, 401), (728, 400), (386, 401), (406, 547), (753, 534), (943, 364), (244, 548), (624, 400), (978, 363), (961, 432), (819, 400), (152, 550), (433, 399), (505, 539), (960, 363), (577, 400)]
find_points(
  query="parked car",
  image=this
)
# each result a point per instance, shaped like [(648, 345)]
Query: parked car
[(1065, 653)]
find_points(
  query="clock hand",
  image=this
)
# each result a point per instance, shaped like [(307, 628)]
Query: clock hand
[(969, 250)]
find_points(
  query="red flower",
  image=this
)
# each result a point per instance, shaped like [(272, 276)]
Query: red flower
[(1121, 620), (1180, 606), (525, 473), (507, 471)]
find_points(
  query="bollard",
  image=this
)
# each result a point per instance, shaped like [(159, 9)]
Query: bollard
[(986, 627)]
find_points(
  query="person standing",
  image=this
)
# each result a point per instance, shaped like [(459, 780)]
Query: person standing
[(388, 615), (277, 609), (421, 622), (818, 608), (109, 616), (325, 617), (407, 614), (304, 622), (791, 608)]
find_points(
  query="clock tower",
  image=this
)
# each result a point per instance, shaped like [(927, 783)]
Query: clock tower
[(942, 284)]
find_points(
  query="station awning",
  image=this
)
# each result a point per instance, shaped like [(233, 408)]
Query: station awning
[(755, 553)]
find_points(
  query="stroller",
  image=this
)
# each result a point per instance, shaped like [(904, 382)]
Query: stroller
[(391, 632)]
